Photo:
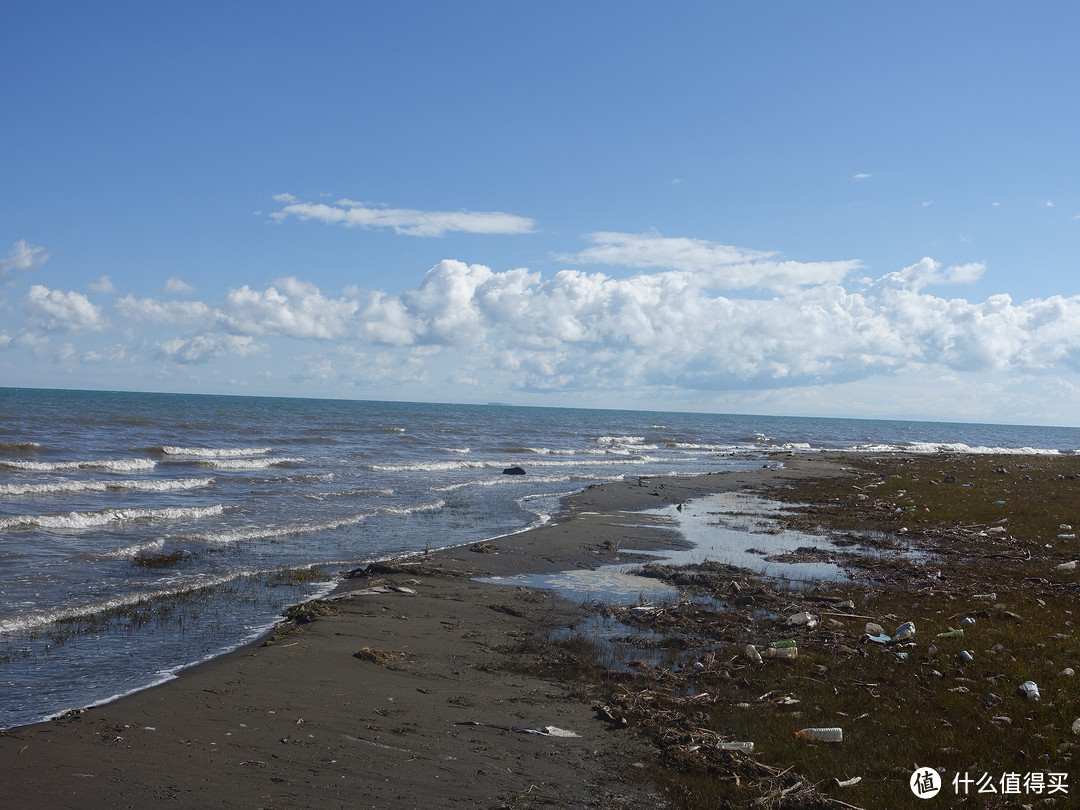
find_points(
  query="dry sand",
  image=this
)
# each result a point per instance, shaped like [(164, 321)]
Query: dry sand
[(305, 722)]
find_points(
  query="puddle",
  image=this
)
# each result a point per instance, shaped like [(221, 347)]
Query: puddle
[(609, 585), (735, 528)]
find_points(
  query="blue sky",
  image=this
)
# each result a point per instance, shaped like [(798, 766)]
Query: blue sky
[(843, 209)]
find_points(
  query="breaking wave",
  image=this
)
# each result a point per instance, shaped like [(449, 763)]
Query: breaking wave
[(103, 517), (112, 465), (67, 487)]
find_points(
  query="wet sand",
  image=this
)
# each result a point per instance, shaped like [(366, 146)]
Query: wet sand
[(403, 695)]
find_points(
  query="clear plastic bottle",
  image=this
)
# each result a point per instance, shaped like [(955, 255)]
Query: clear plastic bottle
[(751, 652), (1030, 690), (821, 734), (741, 747)]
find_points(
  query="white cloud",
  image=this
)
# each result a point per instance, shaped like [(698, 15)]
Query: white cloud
[(284, 198), (176, 286), (714, 264), (406, 221), (55, 309), (861, 176), (667, 328), (203, 348), (102, 285), (162, 313), (22, 258)]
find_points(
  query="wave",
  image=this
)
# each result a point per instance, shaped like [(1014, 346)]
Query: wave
[(135, 549), (459, 450), (953, 447), (430, 506), (66, 487), (511, 480), (211, 452), (111, 465), (189, 583), (19, 447), (228, 537), (359, 492), (103, 517), (247, 463), (451, 466)]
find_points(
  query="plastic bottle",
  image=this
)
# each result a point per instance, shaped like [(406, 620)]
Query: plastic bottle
[(951, 634), (1030, 690), (904, 632), (821, 734), (787, 642), (803, 619), (741, 747), (751, 652), (780, 652)]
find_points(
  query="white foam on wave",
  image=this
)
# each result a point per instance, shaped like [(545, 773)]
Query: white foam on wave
[(461, 451), (66, 487), (452, 466), (952, 447), (135, 549), (213, 452), (430, 506), (86, 520), (227, 537), (247, 463), (112, 465), (177, 586)]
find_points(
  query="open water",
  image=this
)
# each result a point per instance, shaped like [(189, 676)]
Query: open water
[(143, 533)]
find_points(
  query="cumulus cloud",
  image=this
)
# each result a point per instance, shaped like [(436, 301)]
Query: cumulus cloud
[(22, 258), (713, 264), (176, 286), (102, 285), (58, 310), (669, 327), (203, 348), (405, 221)]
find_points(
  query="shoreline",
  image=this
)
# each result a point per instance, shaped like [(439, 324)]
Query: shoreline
[(185, 738)]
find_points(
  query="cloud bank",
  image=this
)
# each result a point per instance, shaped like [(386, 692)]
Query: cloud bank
[(665, 330)]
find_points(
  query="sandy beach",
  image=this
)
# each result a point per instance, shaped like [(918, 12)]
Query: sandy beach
[(311, 720), (416, 684)]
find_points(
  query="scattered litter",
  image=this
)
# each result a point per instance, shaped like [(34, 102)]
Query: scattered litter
[(848, 782), (1076, 726), (803, 619), (951, 634), (741, 747), (781, 652), (904, 632), (751, 652), (1068, 566), (968, 621), (873, 629), (832, 735), (989, 597), (1068, 672), (1030, 690), (884, 638), (543, 731), (966, 657)]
